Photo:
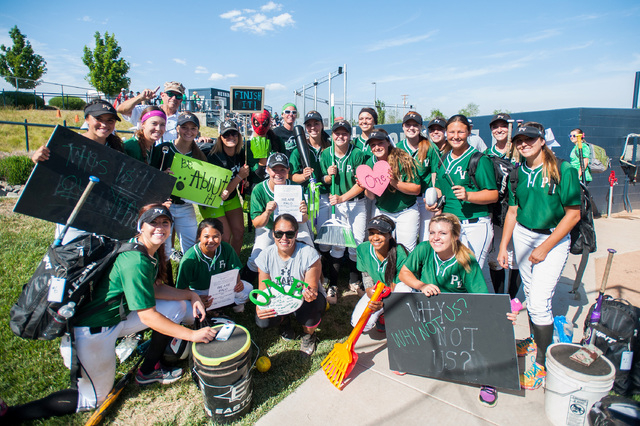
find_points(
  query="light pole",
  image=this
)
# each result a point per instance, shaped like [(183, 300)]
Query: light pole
[(375, 97)]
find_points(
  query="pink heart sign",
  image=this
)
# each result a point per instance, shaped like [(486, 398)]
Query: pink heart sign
[(375, 180)]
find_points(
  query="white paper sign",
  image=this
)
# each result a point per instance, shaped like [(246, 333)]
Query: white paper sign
[(221, 288), (288, 199)]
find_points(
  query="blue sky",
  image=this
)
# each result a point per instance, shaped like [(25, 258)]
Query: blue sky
[(527, 56)]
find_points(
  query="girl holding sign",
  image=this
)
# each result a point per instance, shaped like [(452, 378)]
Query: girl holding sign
[(467, 197), (284, 261), (211, 256), (424, 152), (339, 163), (543, 210), (398, 201), (184, 217), (153, 121), (137, 276), (446, 265), (228, 153)]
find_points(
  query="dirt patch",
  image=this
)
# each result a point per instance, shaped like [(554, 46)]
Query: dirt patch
[(623, 277)]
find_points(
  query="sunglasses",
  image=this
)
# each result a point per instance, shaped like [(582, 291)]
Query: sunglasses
[(279, 234), (288, 111), (574, 136), (230, 133), (176, 95)]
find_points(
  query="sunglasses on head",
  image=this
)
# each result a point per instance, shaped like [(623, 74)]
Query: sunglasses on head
[(279, 234), (288, 111), (176, 95)]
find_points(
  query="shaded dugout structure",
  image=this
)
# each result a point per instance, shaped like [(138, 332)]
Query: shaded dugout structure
[(606, 127)]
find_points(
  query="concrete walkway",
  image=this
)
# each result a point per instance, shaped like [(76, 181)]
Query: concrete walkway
[(376, 396)]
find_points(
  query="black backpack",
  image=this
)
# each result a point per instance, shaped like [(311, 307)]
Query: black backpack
[(583, 234), (76, 267), (616, 334), (502, 167)]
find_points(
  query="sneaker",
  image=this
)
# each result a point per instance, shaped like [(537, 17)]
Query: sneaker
[(308, 344), (534, 377), (332, 295), (526, 346), (285, 330), (380, 325), (176, 255), (488, 396), (161, 375), (238, 308), (398, 373), (354, 282)]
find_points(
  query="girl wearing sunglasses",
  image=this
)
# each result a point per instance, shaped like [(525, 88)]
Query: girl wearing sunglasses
[(284, 261)]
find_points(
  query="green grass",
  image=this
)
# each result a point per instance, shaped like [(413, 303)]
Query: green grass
[(33, 369)]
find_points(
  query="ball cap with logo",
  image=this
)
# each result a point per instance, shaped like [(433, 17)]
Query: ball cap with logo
[(412, 115), (437, 122), (228, 126), (342, 123), (153, 213), (528, 131), (380, 225), (313, 115), (277, 159), (100, 107), (500, 117), (188, 118), (174, 86)]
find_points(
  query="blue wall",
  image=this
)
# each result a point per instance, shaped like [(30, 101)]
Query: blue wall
[(606, 127)]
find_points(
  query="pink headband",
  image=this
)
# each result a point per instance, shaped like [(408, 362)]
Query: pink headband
[(154, 113)]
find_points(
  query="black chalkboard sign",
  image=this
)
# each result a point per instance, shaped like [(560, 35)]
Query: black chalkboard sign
[(452, 336), (247, 99), (126, 184)]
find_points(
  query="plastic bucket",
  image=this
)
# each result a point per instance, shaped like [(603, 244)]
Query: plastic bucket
[(572, 388), (223, 372)]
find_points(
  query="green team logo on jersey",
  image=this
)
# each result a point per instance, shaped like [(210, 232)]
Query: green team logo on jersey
[(459, 171), (456, 281)]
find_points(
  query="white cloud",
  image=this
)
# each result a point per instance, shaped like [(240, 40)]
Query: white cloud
[(271, 6), (261, 22), (85, 19), (201, 70), (275, 87), (540, 36), (217, 76), (401, 41), (180, 61)]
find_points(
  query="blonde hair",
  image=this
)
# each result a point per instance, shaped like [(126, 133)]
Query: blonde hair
[(461, 252), (399, 161), (549, 160), (424, 145)]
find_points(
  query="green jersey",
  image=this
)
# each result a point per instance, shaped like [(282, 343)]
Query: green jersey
[(361, 143), (132, 274), (448, 275), (132, 149), (347, 165), (393, 200), (427, 166), (493, 151), (260, 196), (196, 268), (314, 158), (575, 161), (458, 170), (537, 209), (368, 262)]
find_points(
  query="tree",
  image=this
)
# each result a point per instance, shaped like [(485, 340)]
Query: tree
[(500, 111), (20, 62), (381, 112), (471, 110), (107, 72), (435, 113)]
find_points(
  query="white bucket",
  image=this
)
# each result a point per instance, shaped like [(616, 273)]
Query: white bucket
[(572, 388)]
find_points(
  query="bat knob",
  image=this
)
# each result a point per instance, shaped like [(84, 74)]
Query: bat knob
[(612, 251)]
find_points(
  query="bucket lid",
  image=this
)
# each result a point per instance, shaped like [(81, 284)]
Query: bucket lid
[(216, 352), (558, 356)]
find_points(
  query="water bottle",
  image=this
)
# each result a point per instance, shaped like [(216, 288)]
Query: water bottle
[(59, 322)]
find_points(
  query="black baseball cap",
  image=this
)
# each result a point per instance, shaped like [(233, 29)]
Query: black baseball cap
[(342, 123), (277, 159), (528, 131), (379, 224), (100, 107), (153, 213), (378, 135), (412, 115), (228, 126), (312, 115), (188, 118), (500, 117), (437, 122)]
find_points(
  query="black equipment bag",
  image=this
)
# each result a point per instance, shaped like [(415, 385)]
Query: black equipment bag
[(502, 167)]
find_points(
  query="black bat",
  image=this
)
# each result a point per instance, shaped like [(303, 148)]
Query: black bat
[(301, 142)]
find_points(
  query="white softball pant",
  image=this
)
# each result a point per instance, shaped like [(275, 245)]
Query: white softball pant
[(364, 301), (97, 356), (264, 239), (478, 237), (539, 280), (185, 225), (406, 232), (425, 218), (354, 213)]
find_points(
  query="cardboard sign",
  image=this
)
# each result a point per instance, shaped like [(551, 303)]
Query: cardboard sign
[(126, 185), (282, 299), (221, 288), (288, 199), (199, 181), (247, 99), (452, 336), (375, 180)]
